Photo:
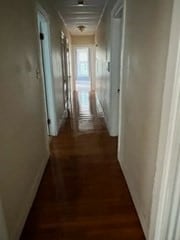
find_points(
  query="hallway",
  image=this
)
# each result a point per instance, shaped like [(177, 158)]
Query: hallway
[(83, 194)]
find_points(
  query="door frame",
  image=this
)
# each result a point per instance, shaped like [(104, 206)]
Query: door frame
[(91, 65), (166, 191), (116, 63), (68, 56), (121, 6), (64, 70), (46, 71)]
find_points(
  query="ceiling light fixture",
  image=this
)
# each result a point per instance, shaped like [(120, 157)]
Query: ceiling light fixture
[(81, 28), (81, 3)]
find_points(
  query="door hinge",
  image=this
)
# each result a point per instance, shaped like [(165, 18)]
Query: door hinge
[(41, 36), (49, 121)]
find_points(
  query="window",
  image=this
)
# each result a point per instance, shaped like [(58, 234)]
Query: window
[(83, 62)]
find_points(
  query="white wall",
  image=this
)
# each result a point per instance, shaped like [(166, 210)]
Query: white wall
[(103, 56), (146, 43), (23, 143)]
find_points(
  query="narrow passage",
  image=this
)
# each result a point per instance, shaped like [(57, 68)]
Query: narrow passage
[(83, 194)]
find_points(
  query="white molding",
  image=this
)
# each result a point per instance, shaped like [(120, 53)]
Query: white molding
[(120, 136), (29, 199), (102, 14), (50, 90), (41, 10), (171, 101), (119, 5)]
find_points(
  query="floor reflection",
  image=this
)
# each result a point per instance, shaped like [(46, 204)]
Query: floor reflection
[(83, 85), (83, 194), (86, 113)]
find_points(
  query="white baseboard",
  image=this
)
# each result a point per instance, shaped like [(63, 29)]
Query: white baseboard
[(135, 200), (112, 132), (28, 202)]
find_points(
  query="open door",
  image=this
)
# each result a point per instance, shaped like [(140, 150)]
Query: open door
[(46, 72), (116, 68)]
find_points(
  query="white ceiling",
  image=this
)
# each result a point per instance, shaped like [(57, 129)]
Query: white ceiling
[(88, 15)]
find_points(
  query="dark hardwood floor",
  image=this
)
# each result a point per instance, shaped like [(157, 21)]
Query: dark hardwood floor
[(83, 194)]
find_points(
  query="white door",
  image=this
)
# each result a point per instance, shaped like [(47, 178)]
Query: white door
[(115, 71), (46, 70)]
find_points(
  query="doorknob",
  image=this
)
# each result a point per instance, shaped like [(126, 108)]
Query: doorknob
[(118, 90)]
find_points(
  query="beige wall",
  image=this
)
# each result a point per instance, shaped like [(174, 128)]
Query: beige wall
[(83, 40), (23, 143), (146, 45), (3, 232)]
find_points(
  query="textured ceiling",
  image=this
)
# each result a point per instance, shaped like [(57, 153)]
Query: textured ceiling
[(74, 15)]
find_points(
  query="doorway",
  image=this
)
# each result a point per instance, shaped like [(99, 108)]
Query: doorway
[(117, 36), (46, 72), (64, 61), (82, 69)]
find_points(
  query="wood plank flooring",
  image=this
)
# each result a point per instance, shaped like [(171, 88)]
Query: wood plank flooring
[(83, 194)]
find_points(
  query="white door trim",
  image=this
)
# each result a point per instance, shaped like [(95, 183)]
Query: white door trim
[(115, 67), (166, 175), (48, 83), (121, 4)]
